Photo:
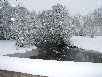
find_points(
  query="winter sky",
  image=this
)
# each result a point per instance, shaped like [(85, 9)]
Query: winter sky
[(74, 6)]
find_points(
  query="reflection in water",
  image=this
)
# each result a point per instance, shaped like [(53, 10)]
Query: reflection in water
[(61, 54), (34, 52), (69, 54)]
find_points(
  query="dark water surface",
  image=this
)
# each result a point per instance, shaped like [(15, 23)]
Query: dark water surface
[(69, 54), (62, 54), (34, 52)]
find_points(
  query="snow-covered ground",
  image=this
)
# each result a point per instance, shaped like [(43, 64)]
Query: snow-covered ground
[(9, 47), (51, 68), (88, 43)]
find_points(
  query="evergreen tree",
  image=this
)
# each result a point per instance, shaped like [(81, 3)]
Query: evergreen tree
[(1, 17), (76, 25), (97, 21), (54, 27), (6, 19), (21, 25)]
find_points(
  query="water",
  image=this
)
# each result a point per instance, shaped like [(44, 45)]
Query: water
[(61, 54), (69, 54), (34, 52)]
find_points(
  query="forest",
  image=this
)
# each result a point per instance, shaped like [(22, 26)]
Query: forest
[(48, 27)]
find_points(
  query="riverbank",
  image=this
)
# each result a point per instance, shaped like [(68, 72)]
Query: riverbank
[(5, 73)]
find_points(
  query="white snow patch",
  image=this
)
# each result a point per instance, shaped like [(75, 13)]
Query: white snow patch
[(0, 7), (98, 2), (88, 43), (51, 68), (13, 5), (9, 47), (12, 19)]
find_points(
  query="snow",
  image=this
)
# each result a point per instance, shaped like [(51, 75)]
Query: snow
[(88, 43), (0, 7), (12, 19), (74, 6), (51, 68), (13, 5), (98, 2), (9, 47)]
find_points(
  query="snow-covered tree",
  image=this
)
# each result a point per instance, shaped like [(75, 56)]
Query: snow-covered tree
[(1, 17), (97, 20), (61, 22), (54, 27), (20, 27), (18, 23), (88, 25), (76, 24), (93, 23), (32, 27), (6, 18)]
